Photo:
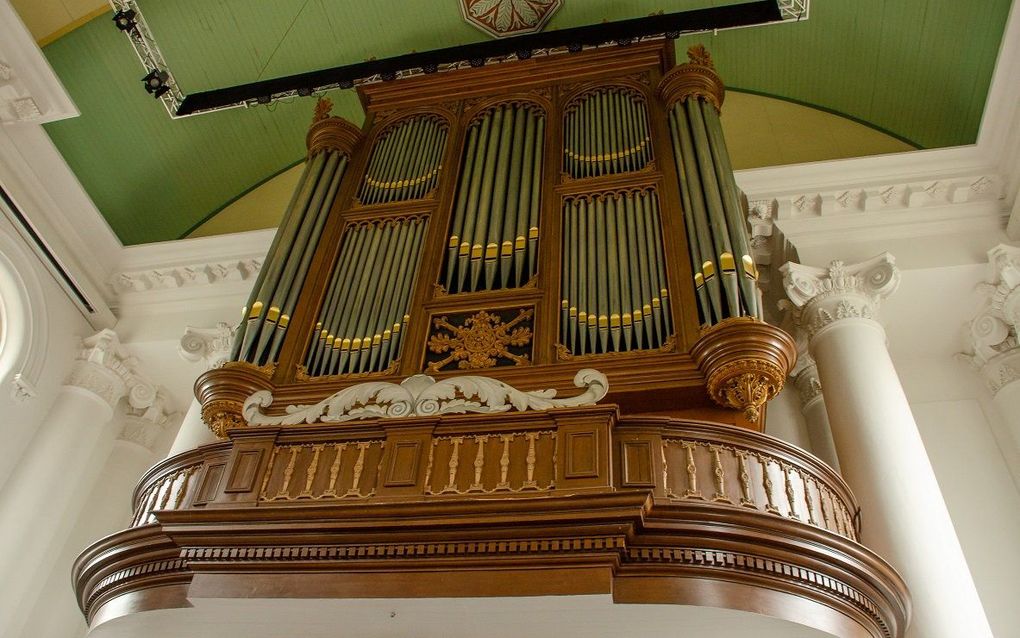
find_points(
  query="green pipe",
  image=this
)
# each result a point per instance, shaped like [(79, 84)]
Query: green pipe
[(717, 215), (693, 250), (413, 156), (536, 193), (603, 292), (434, 158), (567, 249), (708, 247), (457, 227), (419, 227), (367, 306), (478, 247), (623, 258), (667, 320), (570, 276), (464, 252), (360, 245), (498, 209), (388, 150), (524, 201), (590, 275), (383, 288), (644, 267), (392, 306), (329, 308), (613, 264), (512, 211), (635, 257)]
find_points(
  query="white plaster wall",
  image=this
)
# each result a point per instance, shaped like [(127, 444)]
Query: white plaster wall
[(64, 328)]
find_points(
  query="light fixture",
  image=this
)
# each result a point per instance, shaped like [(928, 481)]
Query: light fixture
[(156, 82), (125, 19)]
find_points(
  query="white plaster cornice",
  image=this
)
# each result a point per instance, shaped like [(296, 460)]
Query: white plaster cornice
[(29, 89), (823, 296), (211, 346)]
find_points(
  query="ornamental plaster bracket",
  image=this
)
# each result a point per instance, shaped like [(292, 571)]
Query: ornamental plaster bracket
[(769, 249), (991, 337), (30, 92), (104, 368), (210, 346), (421, 395), (840, 291), (805, 372)]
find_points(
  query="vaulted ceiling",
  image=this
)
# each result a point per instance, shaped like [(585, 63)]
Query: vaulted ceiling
[(916, 69)]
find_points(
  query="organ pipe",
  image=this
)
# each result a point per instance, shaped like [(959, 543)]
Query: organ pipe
[(331, 141), (493, 241), (606, 132), (367, 304), (724, 273), (615, 293), (406, 161)]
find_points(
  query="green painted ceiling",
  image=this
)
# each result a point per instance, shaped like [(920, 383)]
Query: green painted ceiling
[(919, 69)]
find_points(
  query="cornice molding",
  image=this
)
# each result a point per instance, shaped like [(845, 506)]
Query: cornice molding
[(30, 91)]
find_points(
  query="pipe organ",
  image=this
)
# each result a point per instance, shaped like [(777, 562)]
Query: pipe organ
[(526, 218), (517, 309)]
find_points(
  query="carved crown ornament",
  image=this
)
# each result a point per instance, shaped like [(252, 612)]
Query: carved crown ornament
[(331, 132), (821, 296), (421, 395), (506, 18), (694, 78)]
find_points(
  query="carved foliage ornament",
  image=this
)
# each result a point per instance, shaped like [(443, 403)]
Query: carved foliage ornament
[(421, 395), (480, 341), (505, 18)]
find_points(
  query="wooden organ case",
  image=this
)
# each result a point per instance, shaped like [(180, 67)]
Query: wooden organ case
[(567, 223)]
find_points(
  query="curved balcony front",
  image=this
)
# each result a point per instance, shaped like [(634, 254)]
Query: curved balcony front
[(570, 501)]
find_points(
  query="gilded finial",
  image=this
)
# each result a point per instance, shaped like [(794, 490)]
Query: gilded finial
[(322, 109), (699, 55)]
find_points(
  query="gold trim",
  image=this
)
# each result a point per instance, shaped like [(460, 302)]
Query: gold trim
[(607, 156)]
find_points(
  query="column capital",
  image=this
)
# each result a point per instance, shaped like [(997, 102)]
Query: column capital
[(104, 368), (1004, 290), (208, 345), (819, 297), (991, 337)]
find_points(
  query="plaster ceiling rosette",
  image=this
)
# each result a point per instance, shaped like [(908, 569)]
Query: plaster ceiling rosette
[(506, 18)]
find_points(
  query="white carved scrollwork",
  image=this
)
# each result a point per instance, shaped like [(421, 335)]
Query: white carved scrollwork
[(421, 395), (991, 337), (209, 345), (825, 295)]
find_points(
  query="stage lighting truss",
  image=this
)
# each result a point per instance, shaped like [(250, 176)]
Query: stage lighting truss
[(144, 45)]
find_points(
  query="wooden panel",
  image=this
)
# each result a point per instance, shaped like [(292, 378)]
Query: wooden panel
[(403, 465), (582, 455), (210, 485), (244, 471), (636, 459)]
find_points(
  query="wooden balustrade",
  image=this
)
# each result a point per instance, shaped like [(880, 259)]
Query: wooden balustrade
[(665, 510)]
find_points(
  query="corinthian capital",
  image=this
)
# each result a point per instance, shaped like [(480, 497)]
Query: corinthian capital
[(822, 296), (104, 368), (991, 338), (208, 345)]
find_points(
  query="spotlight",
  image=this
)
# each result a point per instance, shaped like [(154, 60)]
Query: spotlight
[(346, 83), (125, 19), (574, 47), (523, 54), (264, 99), (624, 42), (388, 76), (156, 82), (477, 62), (304, 91), (431, 67), (672, 35)]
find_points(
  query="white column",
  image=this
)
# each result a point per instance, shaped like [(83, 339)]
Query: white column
[(992, 337), (60, 467), (812, 405), (904, 517), (211, 347), (106, 510)]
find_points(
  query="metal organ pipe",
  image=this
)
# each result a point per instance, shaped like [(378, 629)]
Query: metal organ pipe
[(266, 317), (368, 299), (493, 240)]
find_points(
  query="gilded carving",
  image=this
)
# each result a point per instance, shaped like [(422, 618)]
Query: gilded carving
[(222, 415), (481, 341), (746, 385), (505, 18)]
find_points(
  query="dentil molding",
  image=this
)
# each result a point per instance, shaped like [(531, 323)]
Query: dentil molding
[(840, 291)]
